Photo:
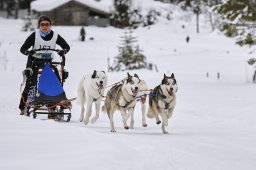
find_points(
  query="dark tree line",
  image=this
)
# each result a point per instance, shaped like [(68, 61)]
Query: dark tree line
[(11, 7)]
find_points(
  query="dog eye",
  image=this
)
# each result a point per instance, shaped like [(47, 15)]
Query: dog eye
[(167, 83), (173, 83), (132, 82)]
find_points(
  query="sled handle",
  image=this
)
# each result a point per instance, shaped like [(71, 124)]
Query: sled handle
[(56, 50)]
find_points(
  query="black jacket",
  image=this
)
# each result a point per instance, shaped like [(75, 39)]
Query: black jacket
[(30, 41)]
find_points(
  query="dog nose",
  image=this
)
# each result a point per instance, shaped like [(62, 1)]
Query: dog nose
[(136, 88), (171, 89), (101, 82)]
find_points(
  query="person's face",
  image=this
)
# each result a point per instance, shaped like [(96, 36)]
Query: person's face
[(45, 26)]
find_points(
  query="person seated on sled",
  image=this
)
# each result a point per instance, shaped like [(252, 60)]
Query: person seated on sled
[(41, 38)]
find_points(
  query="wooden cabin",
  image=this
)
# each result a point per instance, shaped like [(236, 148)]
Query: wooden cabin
[(73, 12)]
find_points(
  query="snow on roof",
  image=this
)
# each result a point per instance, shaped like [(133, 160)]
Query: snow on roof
[(48, 5)]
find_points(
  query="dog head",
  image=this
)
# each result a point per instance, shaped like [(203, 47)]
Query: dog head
[(169, 83), (132, 84), (99, 79)]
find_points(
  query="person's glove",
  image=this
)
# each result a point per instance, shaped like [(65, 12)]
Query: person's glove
[(31, 52), (28, 72), (62, 52)]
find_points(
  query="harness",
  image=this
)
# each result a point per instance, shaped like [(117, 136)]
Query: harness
[(115, 91), (157, 94), (95, 99)]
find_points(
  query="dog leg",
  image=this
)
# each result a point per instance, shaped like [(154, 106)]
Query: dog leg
[(82, 112), (111, 122), (88, 112), (97, 108), (156, 114), (143, 111), (163, 129), (125, 117), (132, 120), (165, 122)]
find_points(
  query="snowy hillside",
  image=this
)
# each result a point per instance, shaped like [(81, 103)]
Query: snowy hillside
[(213, 126)]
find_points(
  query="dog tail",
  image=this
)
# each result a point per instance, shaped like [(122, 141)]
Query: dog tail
[(80, 93)]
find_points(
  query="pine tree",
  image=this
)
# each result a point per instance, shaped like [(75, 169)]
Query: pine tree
[(239, 17), (121, 16), (28, 25), (130, 56)]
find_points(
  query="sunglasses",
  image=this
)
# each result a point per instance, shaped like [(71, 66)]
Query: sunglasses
[(44, 24)]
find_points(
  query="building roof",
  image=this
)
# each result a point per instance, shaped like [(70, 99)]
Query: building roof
[(48, 5)]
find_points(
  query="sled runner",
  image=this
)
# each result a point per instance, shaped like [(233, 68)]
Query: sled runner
[(48, 96)]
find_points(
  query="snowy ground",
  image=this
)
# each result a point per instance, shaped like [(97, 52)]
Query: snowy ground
[(213, 126)]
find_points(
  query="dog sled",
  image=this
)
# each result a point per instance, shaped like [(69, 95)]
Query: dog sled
[(47, 96)]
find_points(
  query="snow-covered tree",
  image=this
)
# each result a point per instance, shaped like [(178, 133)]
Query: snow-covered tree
[(130, 55), (28, 24), (121, 15), (239, 18)]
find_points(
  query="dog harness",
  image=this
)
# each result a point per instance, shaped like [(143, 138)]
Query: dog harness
[(157, 95)]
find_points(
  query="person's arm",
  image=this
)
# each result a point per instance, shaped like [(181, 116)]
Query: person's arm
[(28, 43), (61, 42)]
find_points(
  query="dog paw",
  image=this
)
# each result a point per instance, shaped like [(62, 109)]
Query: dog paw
[(86, 121), (144, 125), (93, 120), (165, 132), (158, 122), (81, 118), (126, 127), (112, 130)]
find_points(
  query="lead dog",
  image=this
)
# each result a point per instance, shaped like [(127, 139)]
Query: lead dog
[(122, 97), (162, 101), (91, 89)]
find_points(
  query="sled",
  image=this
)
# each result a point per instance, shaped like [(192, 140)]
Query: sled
[(48, 96)]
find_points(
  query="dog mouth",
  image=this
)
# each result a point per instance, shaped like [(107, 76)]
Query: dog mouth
[(135, 91), (170, 92), (99, 85)]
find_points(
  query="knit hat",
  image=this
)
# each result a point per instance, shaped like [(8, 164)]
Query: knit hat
[(44, 18)]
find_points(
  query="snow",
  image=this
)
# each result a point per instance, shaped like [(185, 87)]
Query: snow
[(213, 125)]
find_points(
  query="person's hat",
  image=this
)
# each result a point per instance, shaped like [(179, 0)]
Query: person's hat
[(44, 18)]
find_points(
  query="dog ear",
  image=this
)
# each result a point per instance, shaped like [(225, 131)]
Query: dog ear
[(172, 76), (165, 76), (164, 81), (94, 74), (129, 76), (135, 75)]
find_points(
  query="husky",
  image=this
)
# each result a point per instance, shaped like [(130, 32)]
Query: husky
[(162, 101), (141, 96), (122, 97), (91, 89)]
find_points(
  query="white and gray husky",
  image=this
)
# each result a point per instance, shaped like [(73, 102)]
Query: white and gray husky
[(122, 97), (91, 89), (162, 101)]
